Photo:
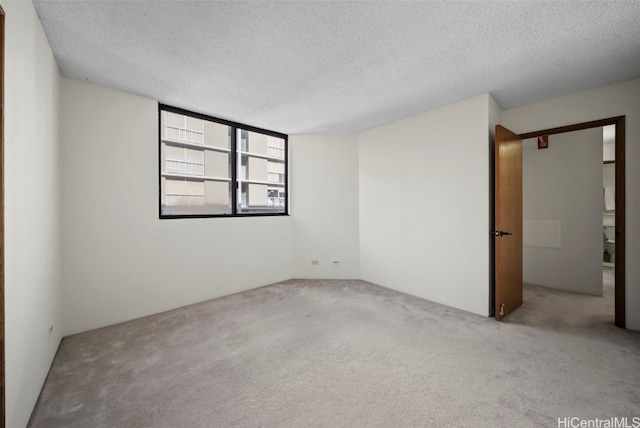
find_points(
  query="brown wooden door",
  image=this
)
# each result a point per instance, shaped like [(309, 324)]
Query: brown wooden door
[(508, 221)]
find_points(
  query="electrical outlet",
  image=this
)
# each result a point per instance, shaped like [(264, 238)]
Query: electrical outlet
[(315, 262)]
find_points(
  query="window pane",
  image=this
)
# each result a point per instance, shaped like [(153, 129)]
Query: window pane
[(261, 173), (195, 166), (212, 167)]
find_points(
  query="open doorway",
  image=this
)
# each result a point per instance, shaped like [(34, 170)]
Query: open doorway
[(568, 219), (610, 216), (2, 380), (609, 203), (506, 216)]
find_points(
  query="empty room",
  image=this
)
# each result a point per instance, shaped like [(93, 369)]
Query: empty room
[(291, 214)]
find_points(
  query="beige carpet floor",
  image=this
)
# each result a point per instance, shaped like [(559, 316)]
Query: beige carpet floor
[(311, 353)]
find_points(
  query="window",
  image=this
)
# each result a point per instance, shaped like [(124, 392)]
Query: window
[(211, 167)]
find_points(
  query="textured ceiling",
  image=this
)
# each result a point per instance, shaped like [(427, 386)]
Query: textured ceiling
[(310, 67)]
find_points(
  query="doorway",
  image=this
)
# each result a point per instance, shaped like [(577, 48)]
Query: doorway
[(2, 358), (619, 233)]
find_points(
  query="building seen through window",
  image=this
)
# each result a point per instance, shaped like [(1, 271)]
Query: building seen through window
[(216, 168)]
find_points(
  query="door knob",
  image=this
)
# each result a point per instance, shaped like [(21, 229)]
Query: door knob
[(501, 233)]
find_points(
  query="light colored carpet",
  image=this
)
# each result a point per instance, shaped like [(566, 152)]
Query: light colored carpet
[(310, 353)]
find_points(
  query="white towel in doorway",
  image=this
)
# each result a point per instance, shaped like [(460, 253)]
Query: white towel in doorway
[(609, 199)]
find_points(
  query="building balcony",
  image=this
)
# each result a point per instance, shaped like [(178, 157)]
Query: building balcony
[(273, 154), (275, 202), (183, 135), (183, 199), (275, 178), (182, 167)]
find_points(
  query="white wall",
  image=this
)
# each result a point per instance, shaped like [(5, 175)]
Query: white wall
[(424, 205), (120, 261), (609, 101), (562, 212), (324, 195), (32, 243)]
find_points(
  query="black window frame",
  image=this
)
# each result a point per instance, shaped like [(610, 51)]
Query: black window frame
[(233, 153)]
